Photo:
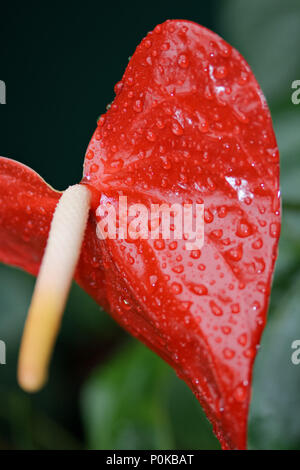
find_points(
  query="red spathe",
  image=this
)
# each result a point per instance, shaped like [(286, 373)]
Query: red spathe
[(189, 124)]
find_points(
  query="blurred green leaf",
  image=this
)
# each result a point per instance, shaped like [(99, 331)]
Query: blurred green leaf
[(287, 127), (267, 33), (124, 403), (289, 249), (84, 315), (275, 408), (191, 428), (48, 419), (137, 402), (16, 291)]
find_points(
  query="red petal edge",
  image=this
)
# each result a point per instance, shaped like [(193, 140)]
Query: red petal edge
[(27, 204), (189, 123)]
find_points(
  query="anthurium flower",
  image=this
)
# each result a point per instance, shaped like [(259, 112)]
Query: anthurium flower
[(189, 124)]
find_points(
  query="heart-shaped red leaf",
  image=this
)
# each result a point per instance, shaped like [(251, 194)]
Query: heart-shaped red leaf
[(190, 124)]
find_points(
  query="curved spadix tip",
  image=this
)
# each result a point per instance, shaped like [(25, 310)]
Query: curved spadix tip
[(52, 286)]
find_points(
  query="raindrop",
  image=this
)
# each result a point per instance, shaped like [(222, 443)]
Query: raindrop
[(183, 61), (249, 353), (159, 244), (243, 229), (173, 245), (195, 254), (216, 310), (151, 136), (208, 216), (118, 87), (176, 288), (226, 330), (138, 106), (235, 254), (90, 155), (101, 121), (126, 305), (201, 267), (222, 212), (257, 244), (198, 289), (177, 129), (220, 72), (94, 168), (240, 394), (242, 339), (228, 353), (235, 308), (261, 287), (203, 126), (274, 230), (178, 269)]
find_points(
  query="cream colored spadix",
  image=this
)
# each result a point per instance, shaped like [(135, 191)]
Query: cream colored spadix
[(52, 286)]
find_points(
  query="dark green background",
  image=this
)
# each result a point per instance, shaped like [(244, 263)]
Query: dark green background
[(60, 64)]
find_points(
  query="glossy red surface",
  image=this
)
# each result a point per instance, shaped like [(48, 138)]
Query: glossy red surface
[(189, 124)]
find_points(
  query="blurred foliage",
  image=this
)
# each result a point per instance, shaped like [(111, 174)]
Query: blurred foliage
[(275, 411), (105, 390), (266, 33), (137, 402)]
